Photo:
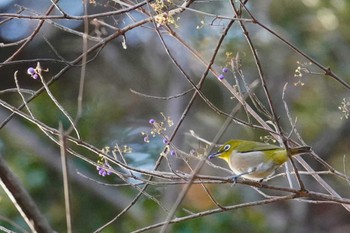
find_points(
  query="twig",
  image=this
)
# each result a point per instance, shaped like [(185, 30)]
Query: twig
[(161, 98), (279, 136), (32, 35), (21, 200), (65, 175), (327, 70), (214, 211), (201, 163), (54, 99), (82, 70), (71, 17), (98, 46)]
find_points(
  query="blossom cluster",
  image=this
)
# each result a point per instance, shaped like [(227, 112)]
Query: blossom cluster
[(103, 166), (222, 76), (159, 128), (33, 72)]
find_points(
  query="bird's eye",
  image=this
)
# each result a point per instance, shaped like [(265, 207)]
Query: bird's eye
[(226, 147)]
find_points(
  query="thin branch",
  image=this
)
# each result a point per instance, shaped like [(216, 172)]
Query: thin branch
[(22, 200), (32, 35), (60, 107), (71, 17), (82, 70), (327, 70), (160, 97), (98, 46), (214, 211), (201, 163), (65, 175)]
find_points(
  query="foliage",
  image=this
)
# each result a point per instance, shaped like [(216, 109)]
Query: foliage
[(133, 96)]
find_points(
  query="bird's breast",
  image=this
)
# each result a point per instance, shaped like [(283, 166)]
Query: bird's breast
[(241, 162)]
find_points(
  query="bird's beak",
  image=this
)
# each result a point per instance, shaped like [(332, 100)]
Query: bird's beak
[(213, 155)]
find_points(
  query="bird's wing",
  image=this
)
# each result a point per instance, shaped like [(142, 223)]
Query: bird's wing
[(248, 146)]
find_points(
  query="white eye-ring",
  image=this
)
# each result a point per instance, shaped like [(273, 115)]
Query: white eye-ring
[(227, 147)]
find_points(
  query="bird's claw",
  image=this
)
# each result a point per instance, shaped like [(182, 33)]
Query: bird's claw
[(234, 179)]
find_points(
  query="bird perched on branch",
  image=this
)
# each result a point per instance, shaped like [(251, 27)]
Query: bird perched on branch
[(254, 160)]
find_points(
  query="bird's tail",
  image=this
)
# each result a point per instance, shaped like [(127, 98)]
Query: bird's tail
[(300, 150)]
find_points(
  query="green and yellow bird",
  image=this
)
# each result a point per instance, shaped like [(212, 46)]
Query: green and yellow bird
[(254, 160)]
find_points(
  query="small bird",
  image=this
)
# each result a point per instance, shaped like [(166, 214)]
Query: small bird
[(254, 160)]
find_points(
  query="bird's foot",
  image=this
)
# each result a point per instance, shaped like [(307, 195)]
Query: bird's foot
[(234, 179)]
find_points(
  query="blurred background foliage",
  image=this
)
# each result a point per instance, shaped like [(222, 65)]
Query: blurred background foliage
[(112, 114)]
